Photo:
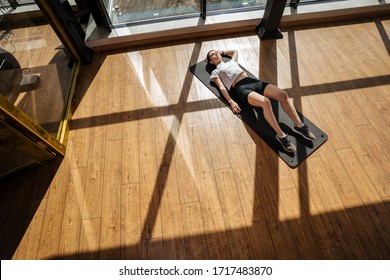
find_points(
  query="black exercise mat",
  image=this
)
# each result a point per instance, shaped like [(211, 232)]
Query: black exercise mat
[(253, 117)]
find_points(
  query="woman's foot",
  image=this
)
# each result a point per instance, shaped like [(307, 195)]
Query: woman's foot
[(304, 131), (286, 144)]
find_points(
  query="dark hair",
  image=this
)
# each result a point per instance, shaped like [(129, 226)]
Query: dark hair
[(208, 56)]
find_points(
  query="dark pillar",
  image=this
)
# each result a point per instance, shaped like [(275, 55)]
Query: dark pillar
[(203, 8), (13, 3), (269, 25), (294, 3), (69, 31), (99, 12)]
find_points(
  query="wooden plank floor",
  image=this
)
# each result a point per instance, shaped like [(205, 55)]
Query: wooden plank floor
[(158, 168)]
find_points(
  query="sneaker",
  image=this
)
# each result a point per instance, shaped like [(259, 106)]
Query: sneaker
[(286, 144), (304, 131)]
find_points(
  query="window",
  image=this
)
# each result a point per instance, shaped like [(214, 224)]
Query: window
[(218, 5), (135, 11), (37, 75), (125, 11)]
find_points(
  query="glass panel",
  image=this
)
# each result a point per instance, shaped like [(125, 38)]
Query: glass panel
[(127, 11), (106, 3), (22, 2), (123, 11), (37, 76), (35, 70), (215, 5)]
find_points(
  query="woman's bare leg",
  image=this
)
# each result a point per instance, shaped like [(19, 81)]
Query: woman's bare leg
[(273, 92), (258, 100)]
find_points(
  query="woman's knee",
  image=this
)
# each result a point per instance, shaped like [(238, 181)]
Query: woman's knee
[(276, 93), (267, 103), (258, 100), (283, 96)]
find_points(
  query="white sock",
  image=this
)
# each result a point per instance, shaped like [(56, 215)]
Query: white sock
[(284, 135), (301, 125)]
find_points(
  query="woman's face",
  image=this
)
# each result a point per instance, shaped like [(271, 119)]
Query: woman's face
[(215, 57)]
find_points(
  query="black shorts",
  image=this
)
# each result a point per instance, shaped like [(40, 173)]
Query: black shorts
[(246, 86)]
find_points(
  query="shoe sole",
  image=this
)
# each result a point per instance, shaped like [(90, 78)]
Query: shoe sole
[(284, 147), (300, 133)]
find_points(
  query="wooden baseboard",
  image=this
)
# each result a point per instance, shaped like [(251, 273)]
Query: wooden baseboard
[(336, 15)]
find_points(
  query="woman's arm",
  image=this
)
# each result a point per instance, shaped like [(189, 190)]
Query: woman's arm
[(232, 53), (235, 107)]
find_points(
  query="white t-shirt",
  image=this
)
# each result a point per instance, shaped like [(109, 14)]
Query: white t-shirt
[(227, 72)]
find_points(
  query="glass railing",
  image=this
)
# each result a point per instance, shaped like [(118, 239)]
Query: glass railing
[(125, 11), (224, 5), (35, 72), (128, 12), (36, 78)]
